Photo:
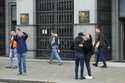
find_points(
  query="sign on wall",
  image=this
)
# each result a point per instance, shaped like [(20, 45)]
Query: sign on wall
[(83, 16), (24, 19)]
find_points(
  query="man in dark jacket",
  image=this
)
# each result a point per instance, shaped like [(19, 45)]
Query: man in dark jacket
[(79, 55), (21, 38), (101, 49)]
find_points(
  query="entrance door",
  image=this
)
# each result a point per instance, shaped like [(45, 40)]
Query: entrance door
[(54, 16), (122, 38), (12, 16)]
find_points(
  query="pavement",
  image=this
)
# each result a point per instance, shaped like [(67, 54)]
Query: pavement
[(39, 71)]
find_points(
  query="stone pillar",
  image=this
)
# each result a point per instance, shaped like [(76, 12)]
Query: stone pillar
[(28, 7), (115, 31), (8, 23)]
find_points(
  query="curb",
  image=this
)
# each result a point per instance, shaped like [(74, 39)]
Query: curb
[(23, 81)]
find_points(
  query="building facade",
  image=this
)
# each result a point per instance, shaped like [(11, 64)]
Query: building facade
[(67, 18)]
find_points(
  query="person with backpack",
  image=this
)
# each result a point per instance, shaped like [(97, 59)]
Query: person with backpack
[(101, 44), (55, 43), (12, 54)]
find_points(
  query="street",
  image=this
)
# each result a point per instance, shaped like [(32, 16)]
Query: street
[(39, 71)]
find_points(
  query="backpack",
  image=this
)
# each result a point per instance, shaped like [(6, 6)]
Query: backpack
[(13, 44)]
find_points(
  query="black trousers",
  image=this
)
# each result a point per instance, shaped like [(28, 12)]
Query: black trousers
[(87, 62), (79, 59)]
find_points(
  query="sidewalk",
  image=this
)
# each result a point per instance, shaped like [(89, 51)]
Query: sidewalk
[(39, 71)]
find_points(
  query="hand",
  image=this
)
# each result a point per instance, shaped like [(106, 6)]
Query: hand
[(108, 47), (80, 45), (20, 34)]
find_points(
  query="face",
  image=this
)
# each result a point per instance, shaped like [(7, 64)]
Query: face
[(12, 32), (97, 30)]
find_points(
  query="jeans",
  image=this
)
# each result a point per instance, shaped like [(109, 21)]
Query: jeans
[(101, 56), (79, 58), (21, 62), (55, 54), (13, 57)]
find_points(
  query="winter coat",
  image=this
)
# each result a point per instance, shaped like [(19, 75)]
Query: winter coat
[(88, 47), (78, 40), (21, 43)]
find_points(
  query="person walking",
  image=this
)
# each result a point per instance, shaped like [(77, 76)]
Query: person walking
[(12, 54), (55, 49), (101, 45), (21, 38), (79, 55)]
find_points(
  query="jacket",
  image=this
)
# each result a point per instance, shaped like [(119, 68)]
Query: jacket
[(78, 40), (21, 43)]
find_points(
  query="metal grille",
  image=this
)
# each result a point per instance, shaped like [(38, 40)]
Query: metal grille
[(104, 8), (54, 16), (2, 27)]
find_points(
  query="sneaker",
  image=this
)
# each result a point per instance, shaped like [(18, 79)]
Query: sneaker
[(60, 63), (14, 67), (89, 77), (76, 78), (50, 62), (95, 65), (103, 66), (24, 74), (8, 67), (82, 78), (19, 73)]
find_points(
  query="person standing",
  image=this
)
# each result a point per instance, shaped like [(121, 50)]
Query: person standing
[(21, 38), (79, 55), (55, 49), (12, 54), (89, 51)]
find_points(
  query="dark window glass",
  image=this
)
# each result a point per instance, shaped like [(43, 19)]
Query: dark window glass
[(2, 27)]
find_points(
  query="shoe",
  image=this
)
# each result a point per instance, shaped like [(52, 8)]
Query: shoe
[(60, 63), (49, 62), (76, 78), (103, 66), (19, 73), (14, 67), (82, 78), (95, 65), (24, 74), (89, 77), (8, 67)]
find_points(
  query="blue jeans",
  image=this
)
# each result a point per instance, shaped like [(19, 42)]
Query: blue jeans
[(21, 62), (55, 54), (101, 56), (13, 57)]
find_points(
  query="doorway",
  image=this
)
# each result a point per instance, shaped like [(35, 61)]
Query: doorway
[(2, 27), (122, 38), (12, 16)]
